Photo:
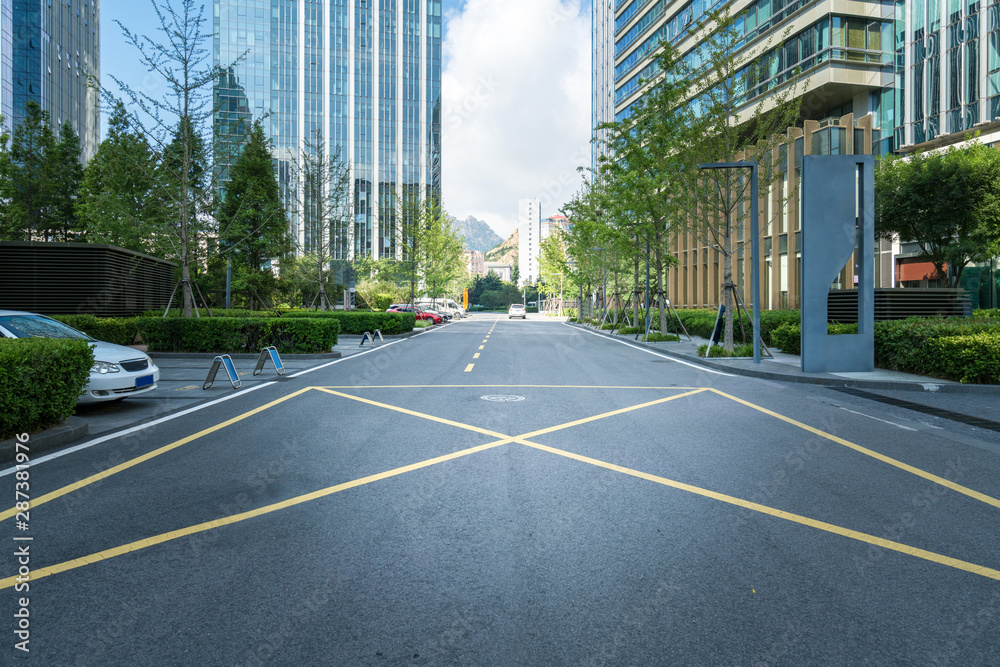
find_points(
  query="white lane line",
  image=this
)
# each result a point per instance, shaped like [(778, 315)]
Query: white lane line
[(136, 429), (361, 354), (352, 356), (656, 354), (884, 421), (140, 427)]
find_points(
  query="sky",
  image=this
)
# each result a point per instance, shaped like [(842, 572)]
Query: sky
[(516, 108)]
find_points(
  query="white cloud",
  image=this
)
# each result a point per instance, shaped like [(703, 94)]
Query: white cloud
[(516, 122)]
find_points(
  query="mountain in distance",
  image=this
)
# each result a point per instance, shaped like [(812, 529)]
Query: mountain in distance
[(478, 235), (506, 252)]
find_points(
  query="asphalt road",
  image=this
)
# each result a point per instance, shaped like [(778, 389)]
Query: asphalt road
[(506, 492)]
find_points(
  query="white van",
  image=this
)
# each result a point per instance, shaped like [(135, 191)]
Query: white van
[(442, 305)]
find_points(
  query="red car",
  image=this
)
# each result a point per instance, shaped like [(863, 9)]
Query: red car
[(421, 315)]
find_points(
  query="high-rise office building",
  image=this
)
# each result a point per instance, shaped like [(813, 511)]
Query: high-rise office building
[(361, 78), (949, 74), (602, 108), (6, 59), (841, 59), (529, 235), (840, 55), (48, 52)]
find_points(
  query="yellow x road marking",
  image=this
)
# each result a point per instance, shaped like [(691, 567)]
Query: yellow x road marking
[(502, 439)]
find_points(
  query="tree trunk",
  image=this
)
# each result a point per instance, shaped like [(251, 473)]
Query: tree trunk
[(727, 281), (617, 299), (186, 296), (635, 290), (658, 252)]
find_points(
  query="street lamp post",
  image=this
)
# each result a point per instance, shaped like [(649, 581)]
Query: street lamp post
[(754, 244)]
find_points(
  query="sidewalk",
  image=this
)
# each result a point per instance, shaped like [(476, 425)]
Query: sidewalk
[(787, 368)]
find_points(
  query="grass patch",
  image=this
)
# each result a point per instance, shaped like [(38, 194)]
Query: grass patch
[(422, 324)]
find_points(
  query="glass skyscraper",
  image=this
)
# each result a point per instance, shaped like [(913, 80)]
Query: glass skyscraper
[(48, 51), (360, 77)]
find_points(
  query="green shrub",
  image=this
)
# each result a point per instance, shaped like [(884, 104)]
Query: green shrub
[(303, 335), (788, 337), (973, 358), (905, 345), (422, 324), (986, 313), (657, 337), (629, 330), (40, 381), (570, 313), (607, 326), (117, 330), (700, 322)]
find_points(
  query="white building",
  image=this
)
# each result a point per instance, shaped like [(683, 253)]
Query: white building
[(529, 224)]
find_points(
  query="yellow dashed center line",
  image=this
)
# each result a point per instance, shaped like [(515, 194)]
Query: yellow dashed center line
[(468, 369), (476, 355), (481, 346)]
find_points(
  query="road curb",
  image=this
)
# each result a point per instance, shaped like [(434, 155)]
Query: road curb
[(930, 386), (72, 429)]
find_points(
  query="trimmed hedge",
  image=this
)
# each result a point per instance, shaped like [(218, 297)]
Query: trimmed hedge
[(905, 345), (359, 321), (239, 335), (351, 321), (964, 350), (117, 330), (40, 381), (973, 358), (788, 337), (700, 322)]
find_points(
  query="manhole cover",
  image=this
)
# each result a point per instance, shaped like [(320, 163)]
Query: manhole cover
[(500, 398)]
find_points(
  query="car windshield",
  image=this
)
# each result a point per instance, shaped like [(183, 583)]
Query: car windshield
[(34, 326)]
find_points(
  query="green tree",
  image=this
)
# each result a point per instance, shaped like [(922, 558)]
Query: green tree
[(29, 178), (67, 177), (587, 241), (948, 202), (644, 156), (553, 264), (322, 183), (252, 224), (253, 229), (121, 201), (441, 246), (716, 202), (177, 123)]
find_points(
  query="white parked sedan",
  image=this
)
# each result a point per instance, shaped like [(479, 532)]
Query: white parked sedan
[(118, 371)]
